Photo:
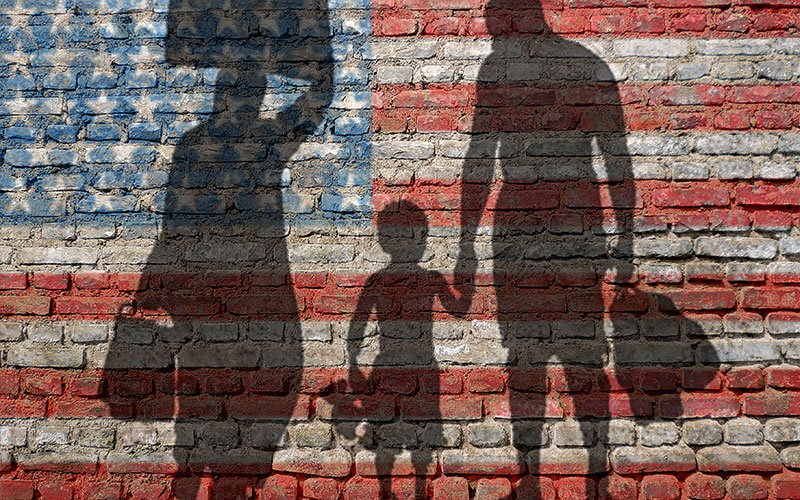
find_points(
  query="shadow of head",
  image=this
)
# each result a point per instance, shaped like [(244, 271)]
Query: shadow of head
[(225, 33), (403, 231), (515, 17)]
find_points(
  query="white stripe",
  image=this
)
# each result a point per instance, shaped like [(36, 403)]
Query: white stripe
[(530, 343), (684, 60)]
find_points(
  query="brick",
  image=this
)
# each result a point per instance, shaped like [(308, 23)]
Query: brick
[(783, 323), (278, 487), (450, 409), (572, 434), (329, 463), (451, 488), (494, 462), (92, 280), (746, 248), (738, 458), (399, 383), (659, 434), (535, 488), (617, 432), (362, 489), (698, 197), (13, 281), (203, 357), (51, 281), (745, 378), (570, 380), (703, 379), (783, 377), (704, 487), (645, 48), (268, 436), (58, 255), (88, 333), (45, 333), (569, 461), (771, 402), (92, 305), (786, 485), (782, 430), (24, 305), (665, 354), (690, 405), (102, 491), (486, 435), (630, 460), (343, 407), (55, 491), (321, 488), (9, 382), (747, 487), (383, 461), (702, 432), (312, 435), (660, 487), (42, 383), (791, 457), (63, 462), (739, 351), (492, 489), (131, 281), (442, 435), (398, 435), (49, 358), (611, 487), (16, 489), (96, 438), (485, 382), (13, 436), (10, 331), (743, 431), (743, 323)]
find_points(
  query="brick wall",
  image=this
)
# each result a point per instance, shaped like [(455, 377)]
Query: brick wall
[(454, 250)]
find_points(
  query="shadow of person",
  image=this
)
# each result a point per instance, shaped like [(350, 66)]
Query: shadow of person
[(402, 341), (216, 285), (566, 280)]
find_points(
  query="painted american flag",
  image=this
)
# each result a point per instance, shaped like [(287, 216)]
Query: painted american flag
[(454, 249)]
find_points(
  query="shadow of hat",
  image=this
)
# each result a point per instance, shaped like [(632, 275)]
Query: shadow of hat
[(221, 33)]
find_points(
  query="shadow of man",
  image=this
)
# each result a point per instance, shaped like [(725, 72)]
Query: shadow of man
[(561, 206), (202, 313)]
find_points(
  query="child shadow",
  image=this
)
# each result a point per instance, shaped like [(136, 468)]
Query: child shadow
[(401, 297)]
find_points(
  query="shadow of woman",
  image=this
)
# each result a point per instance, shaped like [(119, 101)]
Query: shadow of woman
[(563, 254), (204, 327)]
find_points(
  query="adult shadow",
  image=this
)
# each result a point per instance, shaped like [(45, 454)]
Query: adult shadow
[(215, 306), (568, 290)]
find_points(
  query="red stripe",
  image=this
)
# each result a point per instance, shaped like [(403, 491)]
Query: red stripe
[(423, 296), (525, 108), (114, 481), (587, 18), (575, 293), (561, 205), (414, 393)]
